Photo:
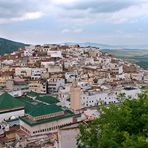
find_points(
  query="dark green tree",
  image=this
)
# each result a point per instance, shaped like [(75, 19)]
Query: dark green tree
[(119, 126)]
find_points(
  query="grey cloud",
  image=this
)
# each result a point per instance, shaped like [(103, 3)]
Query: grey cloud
[(76, 9), (16, 8), (99, 6), (116, 11)]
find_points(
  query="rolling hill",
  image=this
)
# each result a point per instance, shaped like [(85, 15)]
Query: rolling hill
[(8, 46), (86, 44), (137, 56)]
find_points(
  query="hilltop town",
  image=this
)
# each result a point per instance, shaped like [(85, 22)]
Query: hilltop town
[(47, 90)]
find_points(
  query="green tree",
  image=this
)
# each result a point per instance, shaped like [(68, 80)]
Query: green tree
[(119, 126)]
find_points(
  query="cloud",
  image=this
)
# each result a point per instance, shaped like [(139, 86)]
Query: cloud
[(115, 11), (19, 10), (25, 16), (76, 30), (101, 6), (81, 11), (130, 14)]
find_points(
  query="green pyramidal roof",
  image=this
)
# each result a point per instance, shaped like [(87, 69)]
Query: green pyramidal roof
[(39, 110), (9, 102)]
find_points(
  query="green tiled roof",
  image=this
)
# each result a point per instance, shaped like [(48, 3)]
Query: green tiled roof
[(41, 109), (28, 103), (34, 108), (9, 102), (47, 99), (43, 98), (33, 123)]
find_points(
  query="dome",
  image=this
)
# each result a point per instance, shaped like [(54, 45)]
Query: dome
[(12, 117)]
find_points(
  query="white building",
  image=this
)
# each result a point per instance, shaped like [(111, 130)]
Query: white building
[(120, 76), (55, 54), (45, 119), (138, 76), (7, 62), (89, 61), (130, 91), (53, 84), (93, 99), (84, 85), (46, 64), (29, 50), (43, 127), (71, 76), (36, 73)]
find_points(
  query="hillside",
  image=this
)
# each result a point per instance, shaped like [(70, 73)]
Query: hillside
[(101, 46), (138, 56), (7, 46)]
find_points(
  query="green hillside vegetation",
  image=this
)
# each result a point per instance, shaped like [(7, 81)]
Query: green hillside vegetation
[(139, 60), (8, 46)]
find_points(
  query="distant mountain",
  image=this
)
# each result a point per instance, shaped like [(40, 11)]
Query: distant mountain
[(8, 46), (107, 46), (102, 46)]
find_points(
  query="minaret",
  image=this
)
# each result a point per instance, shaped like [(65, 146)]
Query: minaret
[(75, 93)]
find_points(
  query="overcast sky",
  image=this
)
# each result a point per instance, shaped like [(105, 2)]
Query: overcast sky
[(122, 22)]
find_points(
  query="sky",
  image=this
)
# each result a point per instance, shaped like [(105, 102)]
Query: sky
[(115, 22)]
